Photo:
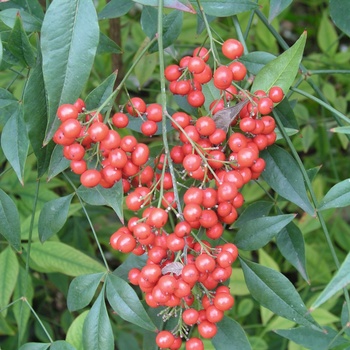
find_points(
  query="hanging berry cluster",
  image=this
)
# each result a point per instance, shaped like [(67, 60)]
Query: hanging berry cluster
[(180, 231)]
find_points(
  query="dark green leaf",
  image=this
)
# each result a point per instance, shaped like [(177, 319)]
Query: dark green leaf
[(34, 346), (253, 211), (183, 104), (106, 44), (6, 99), (116, 8), (130, 262), (230, 336), (255, 61), (282, 70), (286, 114), (15, 143), (59, 257), (33, 7), (20, 46), (312, 338), (337, 197), (35, 116), (210, 93), (284, 176), (276, 7), (58, 163), (182, 5), (339, 281), (97, 330), (124, 341), (30, 23), (338, 11), (69, 40), (53, 216), (345, 318), (275, 292), (10, 224), (113, 197), (172, 25), (290, 242), (81, 290), (99, 95), (135, 124), (61, 345), (258, 232), (126, 303), (149, 20), (225, 8)]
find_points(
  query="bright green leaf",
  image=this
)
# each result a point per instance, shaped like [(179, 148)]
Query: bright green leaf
[(230, 336), (58, 163), (237, 282), (276, 7), (337, 197), (126, 303), (116, 8), (210, 93), (341, 129), (275, 292), (340, 280), (255, 61), (81, 290), (60, 257), (113, 197), (69, 40), (53, 216), (75, 331), (61, 345), (282, 173), (15, 143), (258, 232), (97, 330), (9, 268), (282, 70), (10, 224), (327, 37), (339, 14)]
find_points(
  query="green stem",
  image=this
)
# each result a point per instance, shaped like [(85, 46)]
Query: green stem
[(9, 305), (329, 71), (240, 34), (89, 220)]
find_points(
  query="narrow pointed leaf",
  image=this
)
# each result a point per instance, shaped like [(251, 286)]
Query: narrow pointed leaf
[(9, 268), (60, 257), (230, 336), (15, 143), (10, 226), (116, 8), (284, 176), (290, 242), (337, 197), (97, 330), (58, 163), (340, 280), (113, 197), (35, 346), (275, 292), (126, 303), (70, 36), (341, 129), (53, 216), (282, 70), (255, 61), (276, 7), (81, 290), (258, 232), (182, 5), (30, 23), (107, 45), (75, 331), (61, 345), (253, 211), (338, 11), (313, 339)]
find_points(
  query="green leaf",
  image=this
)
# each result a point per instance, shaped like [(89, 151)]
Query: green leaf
[(10, 226), (5, 328), (61, 345), (116, 8), (113, 197), (172, 25), (340, 280), (75, 331), (60, 257), (34, 346), (100, 94), (53, 216), (30, 23), (225, 8), (282, 70), (337, 197), (237, 282), (275, 292), (253, 211), (182, 5), (107, 45), (143, 75), (313, 339), (258, 232), (341, 129), (126, 303), (97, 330), (69, 40), (282, 173), (33, 7), (327, 37), (20, 46), (15, 143), (130, 262), (255, 61), (9, 268), (290, 242), (210, 93), (148, 21), (286, 114), (338, 11), (58, 163), (276, 7), (7, 99), (81, 290), (230, 336)]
